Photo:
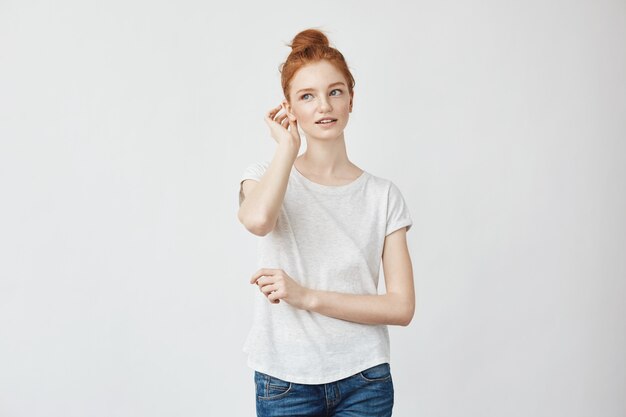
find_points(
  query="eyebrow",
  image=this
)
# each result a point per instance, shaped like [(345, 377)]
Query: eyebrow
[(311, 89)]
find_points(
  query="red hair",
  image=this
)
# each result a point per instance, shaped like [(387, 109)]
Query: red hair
[(308, 47)]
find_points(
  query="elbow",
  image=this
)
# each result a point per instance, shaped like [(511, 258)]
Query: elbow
[(258, 227), (402, 308), (257, 230), (405, 320), (406, 317)]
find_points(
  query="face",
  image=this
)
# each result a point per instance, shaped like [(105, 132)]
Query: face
[(319, 91)]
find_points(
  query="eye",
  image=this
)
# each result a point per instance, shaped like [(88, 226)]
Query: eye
[(303, 97)]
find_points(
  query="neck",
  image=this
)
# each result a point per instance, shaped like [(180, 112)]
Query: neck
[(325, 158)]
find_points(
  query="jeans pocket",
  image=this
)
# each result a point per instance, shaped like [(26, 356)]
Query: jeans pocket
[(377, 373), (269, 387)]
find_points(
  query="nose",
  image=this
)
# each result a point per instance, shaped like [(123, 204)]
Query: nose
[(324, 105)]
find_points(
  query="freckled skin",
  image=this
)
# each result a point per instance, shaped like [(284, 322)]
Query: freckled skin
[(322, 101)]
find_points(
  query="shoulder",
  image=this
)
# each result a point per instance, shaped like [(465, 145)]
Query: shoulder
[(386, 189), (258, 165), (382, 184), (255, 170)]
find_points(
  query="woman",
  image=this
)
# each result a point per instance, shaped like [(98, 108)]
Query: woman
[(319, 342)]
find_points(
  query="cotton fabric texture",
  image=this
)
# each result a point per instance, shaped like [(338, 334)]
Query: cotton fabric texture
[(327, 238)]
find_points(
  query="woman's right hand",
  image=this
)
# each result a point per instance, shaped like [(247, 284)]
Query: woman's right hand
[(284, 128)]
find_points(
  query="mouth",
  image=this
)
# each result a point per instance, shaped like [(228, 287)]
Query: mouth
[(327, 121)]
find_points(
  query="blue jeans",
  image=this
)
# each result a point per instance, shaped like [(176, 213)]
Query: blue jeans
[(364, 394)]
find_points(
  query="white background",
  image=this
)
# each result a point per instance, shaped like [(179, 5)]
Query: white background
[(125, 126)]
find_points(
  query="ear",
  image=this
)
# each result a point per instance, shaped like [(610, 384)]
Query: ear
[(351, 100), (287, 107)]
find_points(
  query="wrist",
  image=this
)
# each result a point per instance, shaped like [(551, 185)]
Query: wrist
[(311, 299), (288, 149)]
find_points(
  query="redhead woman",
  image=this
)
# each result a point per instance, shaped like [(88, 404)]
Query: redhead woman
[(319, 342)]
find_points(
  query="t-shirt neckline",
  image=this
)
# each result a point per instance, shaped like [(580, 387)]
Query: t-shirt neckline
[(329, 188)]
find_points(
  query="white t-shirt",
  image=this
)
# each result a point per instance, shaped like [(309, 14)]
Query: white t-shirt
[(327, 238)]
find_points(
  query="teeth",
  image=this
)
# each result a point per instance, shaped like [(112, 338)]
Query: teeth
[(326, 121)]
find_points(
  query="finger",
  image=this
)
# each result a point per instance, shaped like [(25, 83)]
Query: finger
[(281, 117), (265, 280), (268, 289), (274, 298), (272, 112), (277, 110), (261, 272), (270, 119), (274, 109)]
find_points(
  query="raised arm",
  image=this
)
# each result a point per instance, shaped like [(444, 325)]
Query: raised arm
[(261, 202)]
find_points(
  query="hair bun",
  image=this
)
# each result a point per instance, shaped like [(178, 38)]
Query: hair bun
[(307, 38), (308, 47)]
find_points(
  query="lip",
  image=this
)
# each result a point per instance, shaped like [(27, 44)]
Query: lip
[(327, 125), (324, 118)]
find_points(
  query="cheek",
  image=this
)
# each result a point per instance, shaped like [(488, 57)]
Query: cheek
[(304, 114)]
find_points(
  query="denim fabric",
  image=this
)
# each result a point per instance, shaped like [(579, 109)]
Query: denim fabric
[(367, 393)]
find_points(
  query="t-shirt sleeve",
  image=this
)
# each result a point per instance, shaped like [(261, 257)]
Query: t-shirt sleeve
[(253, 171), (398, 214)]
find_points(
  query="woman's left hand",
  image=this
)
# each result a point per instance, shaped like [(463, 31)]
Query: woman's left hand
[(276, 285)]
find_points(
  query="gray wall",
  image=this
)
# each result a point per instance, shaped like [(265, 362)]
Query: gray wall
[(124, 127)]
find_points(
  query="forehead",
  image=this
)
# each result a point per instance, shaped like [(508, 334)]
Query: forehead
[(318, 74)]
